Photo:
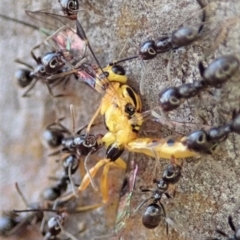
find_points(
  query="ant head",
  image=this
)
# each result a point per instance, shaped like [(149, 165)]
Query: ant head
[(172, 174), (70, 8), (169, 99), (198, 141), (52, 62), (148, 50)]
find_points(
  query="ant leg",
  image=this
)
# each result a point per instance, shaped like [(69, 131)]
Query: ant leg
[(221, 232), (141, 84), (29, 89), (37, 60), (169, 67), (23, 63), (69, 235), (21, 194), (165, 215), (51, 93), (231, 224)]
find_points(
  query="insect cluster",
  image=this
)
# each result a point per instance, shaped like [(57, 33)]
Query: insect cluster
[(182, 125)]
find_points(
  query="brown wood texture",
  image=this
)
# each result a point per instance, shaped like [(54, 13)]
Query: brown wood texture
[(203, 200)]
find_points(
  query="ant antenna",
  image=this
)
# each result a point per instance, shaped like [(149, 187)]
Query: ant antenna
[(73, 118), (21, 194), (89, 174), (71, 180)]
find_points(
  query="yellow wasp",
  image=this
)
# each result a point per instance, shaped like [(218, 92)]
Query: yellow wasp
[(121, 107)]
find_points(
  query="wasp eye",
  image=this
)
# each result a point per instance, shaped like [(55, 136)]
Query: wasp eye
[(130, 109)]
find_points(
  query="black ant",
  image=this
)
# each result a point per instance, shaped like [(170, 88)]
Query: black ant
[(155, 211), (56, 135), (236, 231), (75, 145), (11, 223), (54, 225), (51, 63), (206, 141), (216, 74), (181, 37), (68, 10)]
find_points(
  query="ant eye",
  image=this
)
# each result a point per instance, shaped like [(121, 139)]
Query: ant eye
[(174, 101), (201, 139), (42, 69)]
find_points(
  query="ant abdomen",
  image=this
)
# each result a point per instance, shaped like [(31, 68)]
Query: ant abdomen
[(184, 36), (219, 70), (7, 223), (152, 216), (23, 77), (53, 137)]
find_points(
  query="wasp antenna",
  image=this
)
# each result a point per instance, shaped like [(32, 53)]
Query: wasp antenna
[(81, 33)]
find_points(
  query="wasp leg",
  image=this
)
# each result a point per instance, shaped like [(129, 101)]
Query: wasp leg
[(119, 163), (104, 183), (86, 208), (86, 180), (160, 148)]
